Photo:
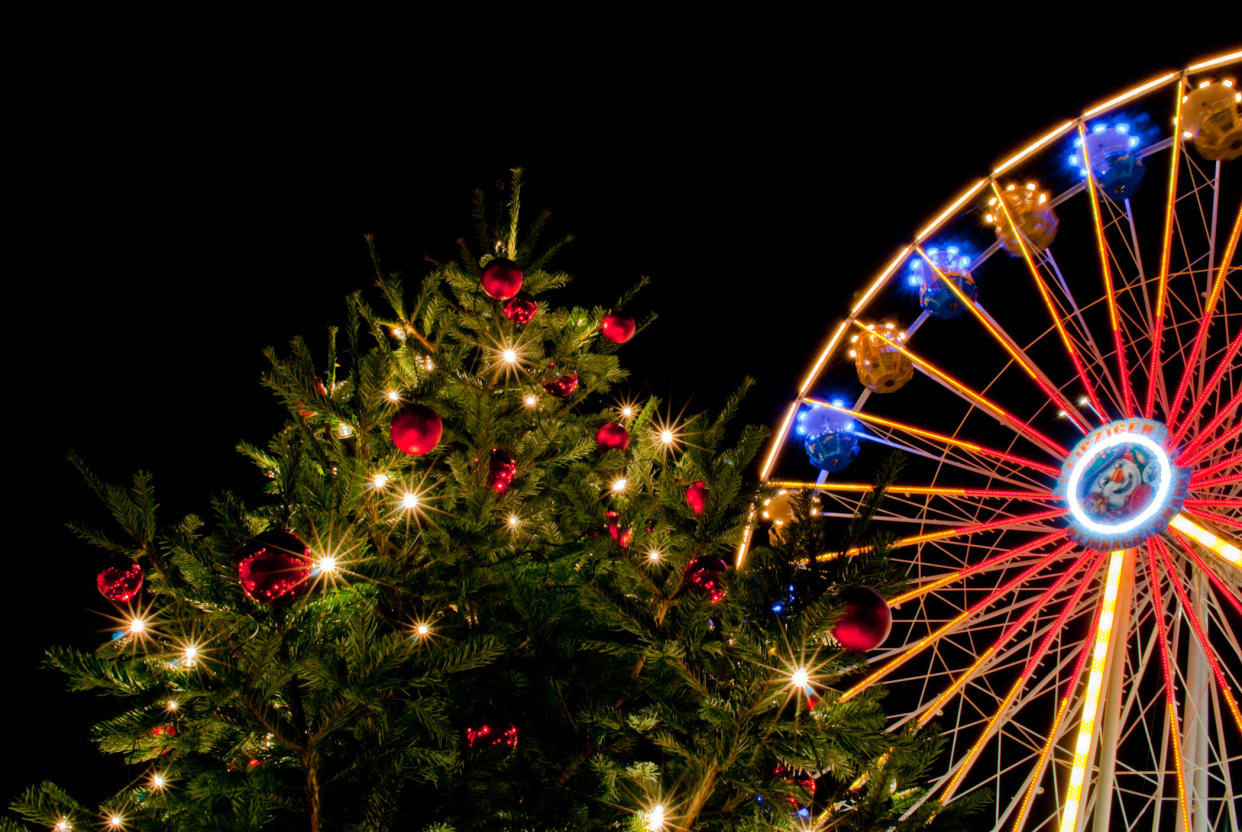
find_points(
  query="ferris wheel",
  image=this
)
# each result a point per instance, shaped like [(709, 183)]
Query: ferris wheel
[(1056, 356)]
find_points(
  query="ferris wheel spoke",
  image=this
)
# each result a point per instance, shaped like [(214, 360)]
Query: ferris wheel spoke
[(947, 381), (949, 577), (1202, 475), (1222, 367), (1023, 522), (1021, 462), (1213, 502), (1215, 517), (1211, 446), (952, 624), (1084, 331), (1123, 372), (1154, 375), (994, 649), (1088, 387), (1036, 658), (932, 490), (1226, 592), (1214, 296), (1229, 410), (1189, 611), (1100, 654), (1170, 695), (1206, 484), (1010, 346)]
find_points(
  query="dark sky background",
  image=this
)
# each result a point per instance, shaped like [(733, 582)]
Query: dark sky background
[(179, 215)]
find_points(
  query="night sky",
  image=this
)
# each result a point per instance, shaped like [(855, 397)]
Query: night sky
[(179, 217)]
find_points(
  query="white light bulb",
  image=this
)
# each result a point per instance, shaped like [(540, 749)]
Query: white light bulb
[(379, 480), (422, 630), (618, 485), (327, 565), (666, 436), (531, 400), (409, 500), (513, 521), (800, 677), (394, 396), (509, 356)]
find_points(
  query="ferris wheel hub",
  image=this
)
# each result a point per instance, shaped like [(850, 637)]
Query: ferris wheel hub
[(1121, 486)]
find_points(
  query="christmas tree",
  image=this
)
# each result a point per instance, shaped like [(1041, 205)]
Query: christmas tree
[(480, 594)]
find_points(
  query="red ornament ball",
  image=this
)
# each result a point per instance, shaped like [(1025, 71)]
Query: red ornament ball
[(501, 279), (866, 621), (416, 429), (617, 328), (501, 470), (119, 584), (696, 496), (276, 567), (521, 309), (707, 574), (612, 437), (562, 385)]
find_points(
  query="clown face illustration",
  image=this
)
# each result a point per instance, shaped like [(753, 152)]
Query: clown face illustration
[(1122, 484)]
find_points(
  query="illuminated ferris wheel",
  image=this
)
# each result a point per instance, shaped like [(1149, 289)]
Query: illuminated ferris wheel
[(1056, 355)]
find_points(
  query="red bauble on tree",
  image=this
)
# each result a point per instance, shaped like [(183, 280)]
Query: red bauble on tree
[(416, 429), (501, 279), (501, 470), (696, 496), (120, 584), (521, 309), (276, 567), (612, 437), (866, 621), (617, 328), (561, 384), (707, 574)]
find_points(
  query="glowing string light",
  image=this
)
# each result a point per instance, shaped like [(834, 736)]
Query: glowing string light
[(1207, 539), (1095, 682)]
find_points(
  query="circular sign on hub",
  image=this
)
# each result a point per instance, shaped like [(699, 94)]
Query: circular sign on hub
[(1121, 486)]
